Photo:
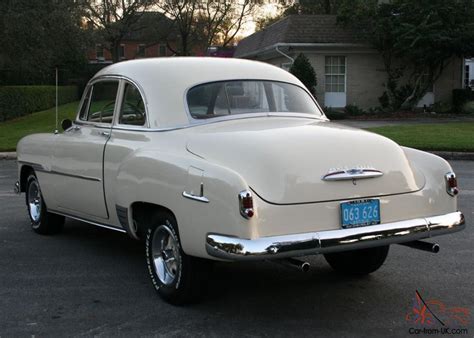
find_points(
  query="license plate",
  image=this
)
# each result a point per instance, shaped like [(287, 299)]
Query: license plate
[(360, 213)]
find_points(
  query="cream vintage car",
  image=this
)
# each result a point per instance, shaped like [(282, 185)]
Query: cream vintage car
[(223, 159)]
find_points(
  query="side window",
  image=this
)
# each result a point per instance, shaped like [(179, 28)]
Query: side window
[(102, 102), (132, 111)]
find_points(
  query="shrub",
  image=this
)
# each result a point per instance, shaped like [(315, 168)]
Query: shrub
[(334, 114), (460, 97), (353, 110), (468, 108), (16, 101), (304, 71), (441, 108)]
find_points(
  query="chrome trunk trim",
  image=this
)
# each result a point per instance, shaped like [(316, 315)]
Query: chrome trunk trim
[(233, 248), (352, 174)]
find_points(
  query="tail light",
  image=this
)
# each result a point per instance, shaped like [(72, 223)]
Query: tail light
[(451, 184), (246, 204)]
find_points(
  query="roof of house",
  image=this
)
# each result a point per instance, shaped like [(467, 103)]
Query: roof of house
[(150, 27), (299, 29)]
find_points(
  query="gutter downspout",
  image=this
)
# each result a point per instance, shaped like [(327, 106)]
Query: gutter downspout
[(285, 55)]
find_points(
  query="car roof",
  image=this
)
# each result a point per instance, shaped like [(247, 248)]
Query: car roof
[(165, 81)]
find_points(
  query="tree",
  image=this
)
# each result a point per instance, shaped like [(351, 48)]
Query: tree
[(36, 37), (302, 7), (416, 39), (114, 19), (205, 23), (305, 72)]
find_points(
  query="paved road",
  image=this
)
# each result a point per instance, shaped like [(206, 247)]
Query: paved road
[(89, 281)]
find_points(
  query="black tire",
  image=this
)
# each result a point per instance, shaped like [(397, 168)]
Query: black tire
[(358, 262), (42, 221), (182, 279)]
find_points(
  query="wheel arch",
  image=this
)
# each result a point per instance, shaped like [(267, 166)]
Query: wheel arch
[(139, 212)]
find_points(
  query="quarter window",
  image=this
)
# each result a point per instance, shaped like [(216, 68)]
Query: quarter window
[(335, 74), (102, 96), (132, 111)]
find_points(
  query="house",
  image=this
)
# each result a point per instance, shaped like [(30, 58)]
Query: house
[(150, 37), (348, 69)]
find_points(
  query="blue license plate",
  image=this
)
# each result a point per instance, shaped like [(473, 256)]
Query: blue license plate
[(360, 213)]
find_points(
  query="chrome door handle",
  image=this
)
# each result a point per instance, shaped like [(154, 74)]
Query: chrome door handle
[(105, 133)]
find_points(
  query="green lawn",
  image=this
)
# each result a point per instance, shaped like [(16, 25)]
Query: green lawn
[(447, 136), (41, 122)]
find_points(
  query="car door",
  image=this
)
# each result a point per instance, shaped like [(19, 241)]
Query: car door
[(79, 153)]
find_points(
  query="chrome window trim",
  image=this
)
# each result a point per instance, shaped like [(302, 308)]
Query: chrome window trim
[(125, 81), (118, 78), (221, 119), (192, 120)]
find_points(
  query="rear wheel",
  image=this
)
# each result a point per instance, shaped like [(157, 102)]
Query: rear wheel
[(177, 277), (42, 221), (358, 262)]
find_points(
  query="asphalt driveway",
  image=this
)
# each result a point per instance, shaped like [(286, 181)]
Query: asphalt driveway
[(92, 282)]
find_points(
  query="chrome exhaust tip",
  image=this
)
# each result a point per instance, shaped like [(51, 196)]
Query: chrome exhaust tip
[(16, 188), (294, 263), (424, 246)]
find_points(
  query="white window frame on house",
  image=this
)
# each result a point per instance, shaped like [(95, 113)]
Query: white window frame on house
[(99, 56), (141, 55), (333, 95), (122, 52), (162, 45)]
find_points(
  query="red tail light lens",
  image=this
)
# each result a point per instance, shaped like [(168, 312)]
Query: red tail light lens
[(451, 184), (246, 204)]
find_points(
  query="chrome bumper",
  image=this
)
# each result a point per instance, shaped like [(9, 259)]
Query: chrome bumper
[(236, 249)]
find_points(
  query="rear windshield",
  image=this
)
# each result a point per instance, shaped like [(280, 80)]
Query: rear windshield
[(248, 97)]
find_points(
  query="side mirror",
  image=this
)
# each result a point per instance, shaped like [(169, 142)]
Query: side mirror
[(66, 124)]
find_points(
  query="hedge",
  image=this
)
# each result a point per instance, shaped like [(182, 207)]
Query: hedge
[(461, 97), (16, 101)]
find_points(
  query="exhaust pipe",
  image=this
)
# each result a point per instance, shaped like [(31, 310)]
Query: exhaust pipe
[(293, 263), (424, 246)]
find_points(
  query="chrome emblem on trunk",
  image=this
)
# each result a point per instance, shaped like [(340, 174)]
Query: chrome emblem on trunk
[(341, 174)]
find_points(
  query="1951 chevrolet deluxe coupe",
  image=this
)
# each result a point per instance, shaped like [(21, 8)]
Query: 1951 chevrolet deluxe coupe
[(217, 159)]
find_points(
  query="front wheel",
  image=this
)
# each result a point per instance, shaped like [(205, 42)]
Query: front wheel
[(42, 221), (177, 277), (358, 262)]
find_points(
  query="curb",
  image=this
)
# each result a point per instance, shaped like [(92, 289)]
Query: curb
[(454, 155), (8, 156)]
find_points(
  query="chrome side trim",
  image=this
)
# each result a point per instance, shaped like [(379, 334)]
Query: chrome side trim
[(100, 225), (352, 174), (88, 178), (233, 248), (202, 199)]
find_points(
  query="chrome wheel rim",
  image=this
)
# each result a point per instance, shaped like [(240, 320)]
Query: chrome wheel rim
[(166, 256), (34, 201)]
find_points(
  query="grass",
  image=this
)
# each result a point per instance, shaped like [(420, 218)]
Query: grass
[(41, 122), (443, 137)]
